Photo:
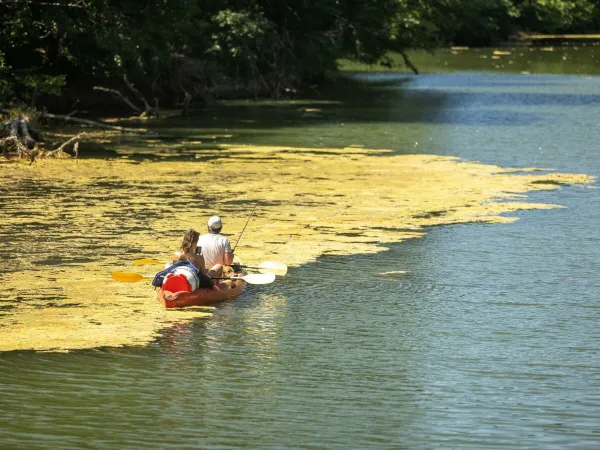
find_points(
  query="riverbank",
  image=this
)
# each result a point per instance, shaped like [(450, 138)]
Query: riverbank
[(561, 39), (577, 59)]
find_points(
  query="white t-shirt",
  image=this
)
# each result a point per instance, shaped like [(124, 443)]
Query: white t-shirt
[(214, 247)]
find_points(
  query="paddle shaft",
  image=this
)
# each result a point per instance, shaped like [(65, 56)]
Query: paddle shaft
[(140, 262), (227, 278), (132, 277), (275, 267)]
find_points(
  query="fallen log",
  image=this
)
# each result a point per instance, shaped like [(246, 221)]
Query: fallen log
[(96, 124), (61, 148), (137, 93), (149, 111), (15, 137), (30, 143), (117, 93)]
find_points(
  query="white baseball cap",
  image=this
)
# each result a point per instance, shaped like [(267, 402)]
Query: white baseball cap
[(214, 223)]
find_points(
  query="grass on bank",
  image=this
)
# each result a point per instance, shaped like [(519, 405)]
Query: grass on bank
[(581, 59)]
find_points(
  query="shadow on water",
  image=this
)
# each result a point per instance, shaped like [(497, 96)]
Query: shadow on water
[(356, 101), (363, 99), (360, 100)]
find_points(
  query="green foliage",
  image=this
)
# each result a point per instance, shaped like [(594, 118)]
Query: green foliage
[(556, 16), (24, 111), (242, 40), (467, 22), (169, 48), (5, 85), (45, 84)]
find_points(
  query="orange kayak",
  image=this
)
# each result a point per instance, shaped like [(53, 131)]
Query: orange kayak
[(203, 296)]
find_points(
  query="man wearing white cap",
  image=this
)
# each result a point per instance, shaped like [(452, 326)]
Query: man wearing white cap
[(215, 248)]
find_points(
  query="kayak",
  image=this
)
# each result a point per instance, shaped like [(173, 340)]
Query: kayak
[(205, 296)]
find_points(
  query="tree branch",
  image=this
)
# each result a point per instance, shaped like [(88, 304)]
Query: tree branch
[(64, 144), (119, 94), (93, 123), (408, 63), (138, 94)]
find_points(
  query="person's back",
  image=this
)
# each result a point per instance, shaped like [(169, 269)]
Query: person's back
[(188, 251), (214, 247)]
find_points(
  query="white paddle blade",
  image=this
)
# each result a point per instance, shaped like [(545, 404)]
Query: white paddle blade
[(259, 278), (274, 267)]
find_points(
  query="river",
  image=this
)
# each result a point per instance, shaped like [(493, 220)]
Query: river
[(442, 237)]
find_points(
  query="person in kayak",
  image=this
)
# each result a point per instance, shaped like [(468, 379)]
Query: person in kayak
[(216, 248), (187, 272), (190, 251)]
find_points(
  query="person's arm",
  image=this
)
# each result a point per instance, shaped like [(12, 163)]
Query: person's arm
[(200, 263), (228, 259)]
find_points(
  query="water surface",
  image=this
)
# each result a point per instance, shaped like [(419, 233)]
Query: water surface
[(478, 335)]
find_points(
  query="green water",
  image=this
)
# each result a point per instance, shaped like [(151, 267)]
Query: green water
[(488, 340)]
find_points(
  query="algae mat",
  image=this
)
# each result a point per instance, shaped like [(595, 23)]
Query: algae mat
[(67, 224)]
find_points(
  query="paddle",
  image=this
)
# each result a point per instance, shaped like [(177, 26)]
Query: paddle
[(142, 262), (274, 267), (256, 278)]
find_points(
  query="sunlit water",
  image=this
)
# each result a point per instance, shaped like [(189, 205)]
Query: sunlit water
[(473, 336)]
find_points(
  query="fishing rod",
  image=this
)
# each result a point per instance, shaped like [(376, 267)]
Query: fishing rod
[(243, 229)]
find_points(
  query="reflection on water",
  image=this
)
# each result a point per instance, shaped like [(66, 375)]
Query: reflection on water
[(479, 335)]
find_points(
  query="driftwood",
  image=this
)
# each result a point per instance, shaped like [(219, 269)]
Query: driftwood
[(147, 111), (61, 148), (96, 124), (19, 128), (17, 139), (13, 144), (121, 96)]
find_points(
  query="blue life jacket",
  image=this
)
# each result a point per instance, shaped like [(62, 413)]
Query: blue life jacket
[(205, 281)]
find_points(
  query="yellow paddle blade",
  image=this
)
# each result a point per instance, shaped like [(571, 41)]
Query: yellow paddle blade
[(274, 267), (129, 277), (142, 262)]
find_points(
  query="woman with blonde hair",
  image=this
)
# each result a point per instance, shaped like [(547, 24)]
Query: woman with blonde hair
[(188, 271), (188, 251)]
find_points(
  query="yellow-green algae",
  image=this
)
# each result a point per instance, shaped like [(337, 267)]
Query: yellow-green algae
[(311, 201)]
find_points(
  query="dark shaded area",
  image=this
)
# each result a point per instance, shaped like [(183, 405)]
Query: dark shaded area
[(359, 99), (139, 54), (372, 102)]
